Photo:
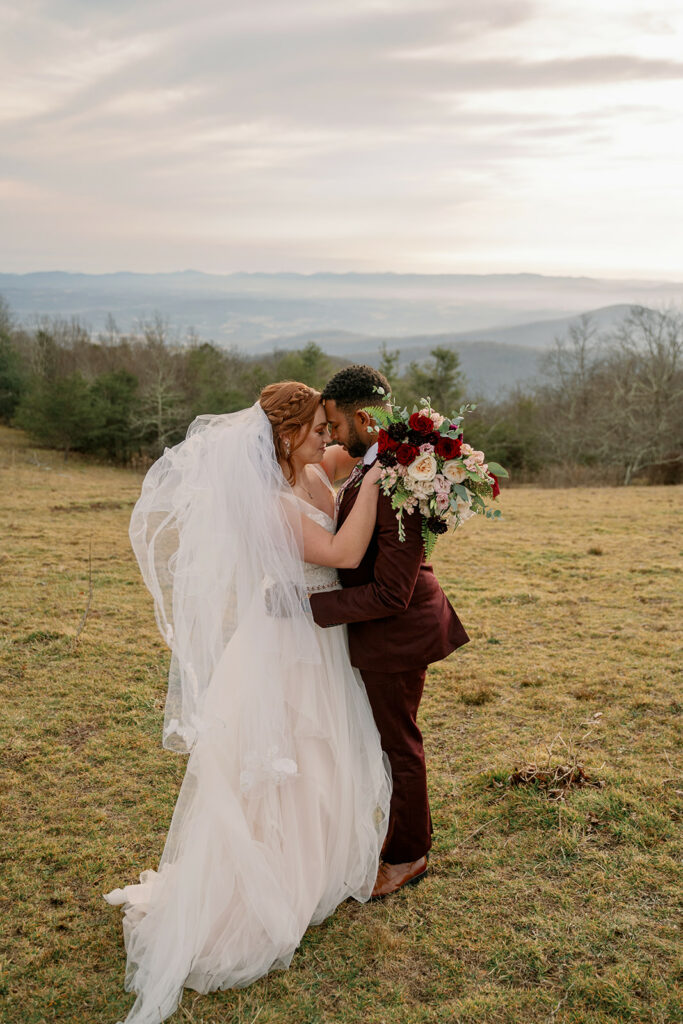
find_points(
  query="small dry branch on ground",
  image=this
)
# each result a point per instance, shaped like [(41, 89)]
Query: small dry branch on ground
[(556, 780), (84, 617), (554, 777)]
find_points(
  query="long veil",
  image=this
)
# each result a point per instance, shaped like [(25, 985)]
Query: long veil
[(216, 536)]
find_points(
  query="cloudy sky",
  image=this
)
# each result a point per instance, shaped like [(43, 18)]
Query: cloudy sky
[(303, 135)]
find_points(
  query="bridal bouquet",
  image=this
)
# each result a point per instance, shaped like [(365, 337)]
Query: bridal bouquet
[(427, 466)]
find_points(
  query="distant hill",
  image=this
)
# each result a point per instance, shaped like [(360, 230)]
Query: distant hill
[(253, 310), (493, 360)]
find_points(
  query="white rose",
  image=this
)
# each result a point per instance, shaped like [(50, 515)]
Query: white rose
[(423, 468), (463, 509), (422, 488), (454, 472)]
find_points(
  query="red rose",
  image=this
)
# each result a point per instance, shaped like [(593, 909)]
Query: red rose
[(406, 453), (447, 448), (496, 486), (422, 424), (385, 443)]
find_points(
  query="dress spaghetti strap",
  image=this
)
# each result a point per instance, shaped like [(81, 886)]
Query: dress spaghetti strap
[(321, 473)]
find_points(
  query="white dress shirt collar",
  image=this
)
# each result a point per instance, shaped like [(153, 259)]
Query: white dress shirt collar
[(370, 455)]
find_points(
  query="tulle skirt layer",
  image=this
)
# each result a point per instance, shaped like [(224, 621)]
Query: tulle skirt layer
[(260, 846)]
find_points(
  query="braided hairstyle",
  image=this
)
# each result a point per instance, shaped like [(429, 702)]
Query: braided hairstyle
[(291, 407)]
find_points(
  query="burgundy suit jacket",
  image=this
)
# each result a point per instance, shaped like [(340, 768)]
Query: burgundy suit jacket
[(398, 616)]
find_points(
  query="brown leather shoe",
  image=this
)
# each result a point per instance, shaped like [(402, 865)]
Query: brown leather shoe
[(392, 877)]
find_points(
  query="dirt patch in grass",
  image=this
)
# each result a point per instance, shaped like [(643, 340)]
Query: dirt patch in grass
[(92, 506)]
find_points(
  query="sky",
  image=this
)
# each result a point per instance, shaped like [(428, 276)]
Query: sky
[(422, 136)]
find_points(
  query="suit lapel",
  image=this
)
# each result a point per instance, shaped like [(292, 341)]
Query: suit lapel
[(348, 499), (347, 502)]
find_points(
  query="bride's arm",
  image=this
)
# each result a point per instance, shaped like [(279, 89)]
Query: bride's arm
[(345, 549)]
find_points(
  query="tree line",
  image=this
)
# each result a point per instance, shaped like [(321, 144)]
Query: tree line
[(605, 406)]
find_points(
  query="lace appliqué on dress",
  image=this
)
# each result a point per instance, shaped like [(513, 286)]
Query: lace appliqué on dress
[(319, 577), (272, 768)]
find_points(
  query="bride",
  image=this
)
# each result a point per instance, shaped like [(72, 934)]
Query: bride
[(284, 805)]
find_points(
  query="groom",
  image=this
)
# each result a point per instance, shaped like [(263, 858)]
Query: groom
[(399, 621)]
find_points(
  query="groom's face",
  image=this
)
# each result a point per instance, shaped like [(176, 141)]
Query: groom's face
[(347, 429)]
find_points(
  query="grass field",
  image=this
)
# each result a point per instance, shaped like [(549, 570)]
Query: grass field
[(536, 910)]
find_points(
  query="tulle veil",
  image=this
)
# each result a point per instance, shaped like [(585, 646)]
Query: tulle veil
[(216, 534)]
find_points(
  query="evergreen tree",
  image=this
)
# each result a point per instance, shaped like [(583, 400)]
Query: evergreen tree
[(60, 413), (12, 379), (114, 397), (214, 381), (439, 379), (310, 365)]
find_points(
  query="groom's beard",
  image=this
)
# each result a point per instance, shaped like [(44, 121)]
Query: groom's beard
[(355, 445)]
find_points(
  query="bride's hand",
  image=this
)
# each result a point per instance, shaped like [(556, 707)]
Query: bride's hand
[(372, 476)]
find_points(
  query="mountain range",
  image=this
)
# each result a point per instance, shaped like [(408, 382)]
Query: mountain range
[(499, 323)]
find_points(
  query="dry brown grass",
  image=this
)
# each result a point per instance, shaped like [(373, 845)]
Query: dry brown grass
[(534, 910)]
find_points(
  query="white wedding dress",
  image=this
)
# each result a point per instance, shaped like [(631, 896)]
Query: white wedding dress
[(262, 844)]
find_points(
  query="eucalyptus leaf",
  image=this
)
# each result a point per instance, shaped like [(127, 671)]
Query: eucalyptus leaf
[(497, 470), (461, 491)]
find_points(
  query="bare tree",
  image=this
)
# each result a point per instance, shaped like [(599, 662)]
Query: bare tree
[(570, 369), (643, 385), (162, 412)]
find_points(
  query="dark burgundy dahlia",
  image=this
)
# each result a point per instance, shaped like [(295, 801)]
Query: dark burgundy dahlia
[(397, 431)]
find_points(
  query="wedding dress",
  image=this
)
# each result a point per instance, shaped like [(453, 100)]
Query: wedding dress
[(284, 805)]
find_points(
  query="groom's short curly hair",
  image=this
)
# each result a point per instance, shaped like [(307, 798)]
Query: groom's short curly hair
[(356, 386)]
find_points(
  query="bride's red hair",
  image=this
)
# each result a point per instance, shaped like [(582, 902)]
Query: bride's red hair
[(290, 406)]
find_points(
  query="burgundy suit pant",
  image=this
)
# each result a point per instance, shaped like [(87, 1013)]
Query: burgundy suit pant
[(395, 698)]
